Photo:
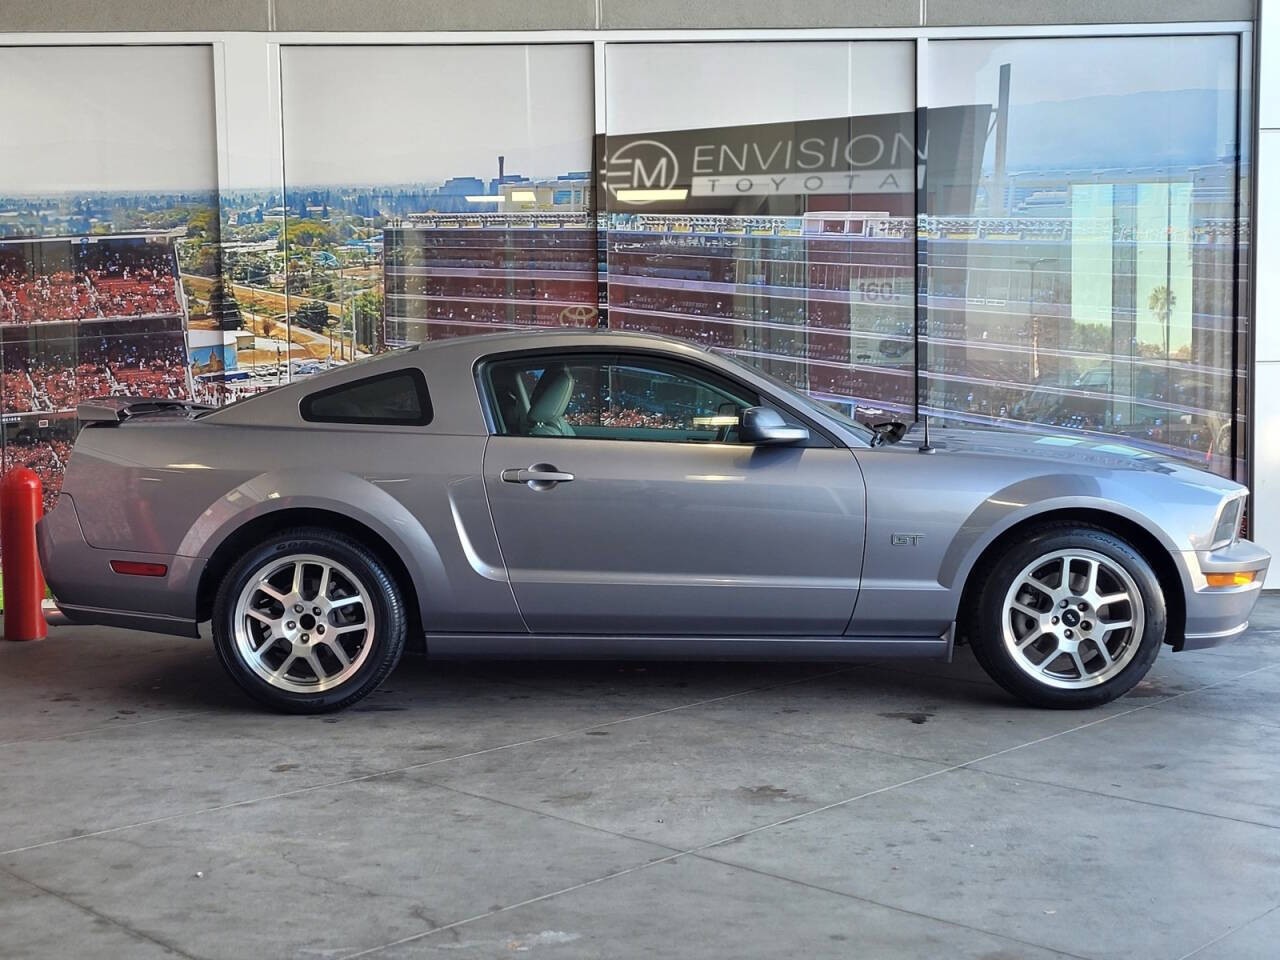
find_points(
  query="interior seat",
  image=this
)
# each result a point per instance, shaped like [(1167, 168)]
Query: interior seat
[(548, 403), (512, 398), (728, 433)]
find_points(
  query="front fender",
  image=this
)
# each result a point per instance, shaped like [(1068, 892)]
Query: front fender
[(1036, 497)]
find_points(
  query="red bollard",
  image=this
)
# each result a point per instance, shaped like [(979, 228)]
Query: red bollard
[(20, 508)]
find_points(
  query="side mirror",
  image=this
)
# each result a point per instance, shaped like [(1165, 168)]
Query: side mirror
[(765, 425)]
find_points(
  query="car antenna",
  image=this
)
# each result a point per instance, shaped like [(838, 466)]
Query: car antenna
[(927, 447)]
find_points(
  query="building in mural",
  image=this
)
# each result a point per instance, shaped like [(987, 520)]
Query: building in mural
[(477, 272)]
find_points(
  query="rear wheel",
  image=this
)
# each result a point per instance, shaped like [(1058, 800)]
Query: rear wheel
[(310, 621), (1072, 617)]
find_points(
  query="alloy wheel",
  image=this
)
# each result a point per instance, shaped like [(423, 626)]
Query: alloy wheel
[(1072, 619), (304, 623)]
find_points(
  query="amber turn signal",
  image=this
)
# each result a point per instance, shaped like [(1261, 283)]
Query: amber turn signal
[(1238, 579)]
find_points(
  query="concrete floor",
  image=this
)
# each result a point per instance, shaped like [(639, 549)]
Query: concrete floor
[(621, 810)]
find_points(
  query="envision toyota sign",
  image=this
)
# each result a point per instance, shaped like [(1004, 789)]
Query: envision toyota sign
[(717, 169), (642, 165)]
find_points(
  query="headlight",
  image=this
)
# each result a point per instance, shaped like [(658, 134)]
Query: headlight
[(1228, 527)]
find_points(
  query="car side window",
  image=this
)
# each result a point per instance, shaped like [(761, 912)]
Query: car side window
[(614, 397), (398, 398)]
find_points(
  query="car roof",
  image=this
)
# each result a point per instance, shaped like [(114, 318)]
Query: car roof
[(449, 366)]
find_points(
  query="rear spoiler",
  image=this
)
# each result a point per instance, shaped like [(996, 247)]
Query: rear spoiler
[(114, 410)]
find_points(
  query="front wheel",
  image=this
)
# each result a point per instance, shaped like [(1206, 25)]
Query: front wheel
[(1072, 617), (309, 621)]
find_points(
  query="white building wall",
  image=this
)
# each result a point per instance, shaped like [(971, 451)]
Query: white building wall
[(1266, 233)]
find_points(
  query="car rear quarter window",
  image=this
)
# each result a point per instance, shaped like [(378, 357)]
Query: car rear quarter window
[(397, 398)]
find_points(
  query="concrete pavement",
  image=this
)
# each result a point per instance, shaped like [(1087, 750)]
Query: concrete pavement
[(635, 810)]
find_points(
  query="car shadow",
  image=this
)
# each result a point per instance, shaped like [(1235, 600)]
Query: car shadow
[(195, 680)]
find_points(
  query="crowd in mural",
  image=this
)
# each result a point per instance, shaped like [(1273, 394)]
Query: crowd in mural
[(44, 451), (57, 374), (43, 282), (122, 359), (81, 318)]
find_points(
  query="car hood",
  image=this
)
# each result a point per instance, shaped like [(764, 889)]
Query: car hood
[(1079, 453)]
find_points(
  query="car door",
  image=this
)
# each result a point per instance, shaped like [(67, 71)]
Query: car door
[(624, 504)]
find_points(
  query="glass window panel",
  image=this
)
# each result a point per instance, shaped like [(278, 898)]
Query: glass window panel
[(110, 184), (761, 202), (394, 398), (1079, 239), (614, 398), (468, 207)]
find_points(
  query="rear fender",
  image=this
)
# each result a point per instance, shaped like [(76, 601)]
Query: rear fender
[(336, 492)]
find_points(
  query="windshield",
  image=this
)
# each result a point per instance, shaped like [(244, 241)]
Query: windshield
[(806, 403)]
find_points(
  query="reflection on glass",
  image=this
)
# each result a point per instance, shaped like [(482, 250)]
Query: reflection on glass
[(475, 272), (612, 398), (92, 294), (82, 318), (40, 369), (144, 359), (1083, 277), (470, 211), (41, 443), (1077, 265), (769, 224)]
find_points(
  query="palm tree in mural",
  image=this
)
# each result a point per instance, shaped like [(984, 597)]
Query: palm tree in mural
[(1161, 303)]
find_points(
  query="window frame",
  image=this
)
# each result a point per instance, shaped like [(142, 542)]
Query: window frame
[(819, 435), (416, 377)]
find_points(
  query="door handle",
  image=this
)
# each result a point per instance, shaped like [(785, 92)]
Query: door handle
[(539, 476)]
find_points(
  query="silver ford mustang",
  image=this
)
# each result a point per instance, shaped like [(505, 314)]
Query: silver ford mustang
[(588, 494)]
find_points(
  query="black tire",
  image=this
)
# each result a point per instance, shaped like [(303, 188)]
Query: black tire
[(386, 643), (985, 619)]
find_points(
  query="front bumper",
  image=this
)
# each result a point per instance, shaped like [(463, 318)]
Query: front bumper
[(1217, 614), (86, 590)]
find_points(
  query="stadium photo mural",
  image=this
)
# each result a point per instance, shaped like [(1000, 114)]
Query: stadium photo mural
[(788, 203), (464, 205), (1055, 242), (96, 241)]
